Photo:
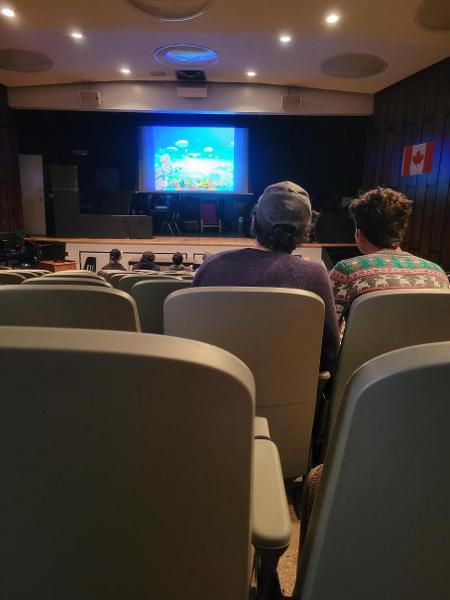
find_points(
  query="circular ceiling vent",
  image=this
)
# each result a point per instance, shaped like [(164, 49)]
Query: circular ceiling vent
[(172, 10), (435, 14), (25, 61), (353, 66), (186, 55)]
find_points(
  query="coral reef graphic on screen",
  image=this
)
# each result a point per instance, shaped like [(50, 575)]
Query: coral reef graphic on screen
[(194, 158)]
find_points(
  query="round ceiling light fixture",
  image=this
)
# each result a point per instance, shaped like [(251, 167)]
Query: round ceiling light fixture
[(353, 66), (24, 61), (186, 55), (434, 15), (8, 12), (172, 10)]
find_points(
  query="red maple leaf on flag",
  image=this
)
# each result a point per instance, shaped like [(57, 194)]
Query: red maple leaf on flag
[(418, 157)]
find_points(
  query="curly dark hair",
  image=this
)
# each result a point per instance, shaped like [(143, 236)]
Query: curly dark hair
[(282, 238), (382, 215)]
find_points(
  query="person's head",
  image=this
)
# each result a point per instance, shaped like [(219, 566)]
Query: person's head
[(381, 217), (177, 259), (282, 217), (115, 255), (147, 257)]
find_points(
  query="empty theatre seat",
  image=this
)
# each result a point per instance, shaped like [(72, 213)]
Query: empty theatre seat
[(84, 274), (126, 283), (11, 278), (135, 486), (68, 281), (150, 297), (380, 526), (28, 274), (277, 332), (79, 306), (379, 322)]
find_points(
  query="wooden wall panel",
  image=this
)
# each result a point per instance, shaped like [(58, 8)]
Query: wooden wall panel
[(413, 111), (10, 198)]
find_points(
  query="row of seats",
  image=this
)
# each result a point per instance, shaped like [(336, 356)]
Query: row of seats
[(117, 482), (276, 332)]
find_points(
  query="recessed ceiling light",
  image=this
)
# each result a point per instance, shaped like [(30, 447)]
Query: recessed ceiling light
[(285, 39), (125, 71), (332, 18), (77, 35), (251, 74), (8, 12)]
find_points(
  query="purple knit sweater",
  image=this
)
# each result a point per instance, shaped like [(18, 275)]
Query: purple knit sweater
[(253, 267)]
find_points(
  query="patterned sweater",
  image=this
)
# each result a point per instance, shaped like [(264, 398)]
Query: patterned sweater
[(384, 270)]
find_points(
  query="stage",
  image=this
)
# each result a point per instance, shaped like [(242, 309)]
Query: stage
[(192, 248)]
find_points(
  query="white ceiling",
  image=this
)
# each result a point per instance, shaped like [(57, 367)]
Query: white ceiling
[(243, 32)]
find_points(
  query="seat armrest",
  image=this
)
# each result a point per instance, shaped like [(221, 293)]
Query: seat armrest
[(324, 378), (262, 428), (271, 523)]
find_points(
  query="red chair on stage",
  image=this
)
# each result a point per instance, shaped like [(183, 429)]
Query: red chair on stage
[(208, 217)]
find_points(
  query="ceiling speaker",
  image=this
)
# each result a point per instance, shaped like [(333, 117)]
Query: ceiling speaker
[(353, 65), (90, 98), (291, 103), (24, 61), (172, 10), (435, 15)]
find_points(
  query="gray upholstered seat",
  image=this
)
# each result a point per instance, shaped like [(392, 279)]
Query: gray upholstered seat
[(28, 273), (130, 487), (380, 525), (277, 332), (81, 306), (11, 278), (382, 321), (126, 283), (150, 297), (68, 281), (83, 274)]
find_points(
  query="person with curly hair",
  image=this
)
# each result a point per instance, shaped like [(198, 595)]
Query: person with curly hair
[(381, 218), (281, 222)]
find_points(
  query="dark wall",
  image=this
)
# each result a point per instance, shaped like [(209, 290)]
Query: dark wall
[(10, 199), (324, 154), (413, 111)]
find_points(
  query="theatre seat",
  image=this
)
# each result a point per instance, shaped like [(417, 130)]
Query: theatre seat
[(277, 332), (68, 281), (150, 297), (79, 306), (126, 283), (136, 482), (80, 273), (28, 274), (380, 526), (11, 278), (382, 321)]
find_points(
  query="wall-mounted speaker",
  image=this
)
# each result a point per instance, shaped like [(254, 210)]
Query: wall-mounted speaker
[(292, 103), (90, 98)]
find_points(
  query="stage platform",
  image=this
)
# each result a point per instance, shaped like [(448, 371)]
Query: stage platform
[(193, 248)]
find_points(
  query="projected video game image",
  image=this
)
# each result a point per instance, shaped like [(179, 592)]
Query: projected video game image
[(194, 158)]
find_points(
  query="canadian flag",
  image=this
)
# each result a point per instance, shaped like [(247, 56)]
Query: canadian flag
[(418, 159)]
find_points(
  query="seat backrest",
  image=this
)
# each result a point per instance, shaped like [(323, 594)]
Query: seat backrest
[(381, 321), (277, 332), (109, 273), (83, 273), (90, 264), (81, 306), (68, 281), (380, 526), (10, 278), (117, 483), (28, 274), (116, 277), (150, 297), (208, 213), (126, 283)]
